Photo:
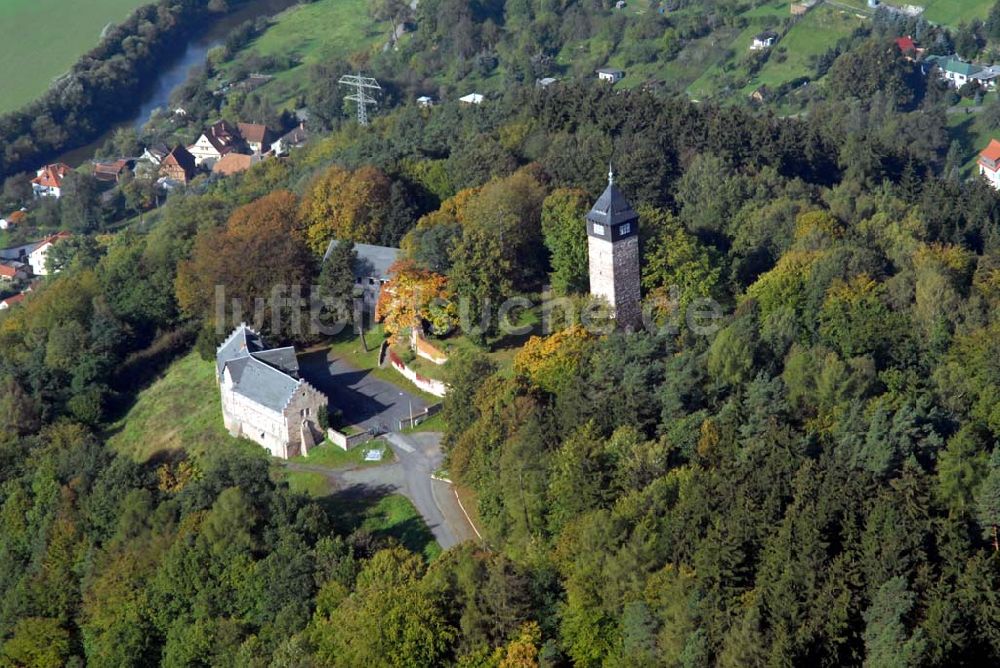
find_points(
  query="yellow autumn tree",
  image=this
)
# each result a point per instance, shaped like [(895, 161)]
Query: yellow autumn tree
[(412, 295), (552, 361), (346, 205)]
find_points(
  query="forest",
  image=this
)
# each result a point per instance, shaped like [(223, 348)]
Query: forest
[(816, 483)]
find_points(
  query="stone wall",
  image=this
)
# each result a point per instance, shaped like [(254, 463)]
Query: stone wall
[(424, 348), (614, 275), (304, 406), (247, 419), (345, 442)]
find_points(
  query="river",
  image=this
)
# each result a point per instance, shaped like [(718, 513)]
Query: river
[(175, 72)]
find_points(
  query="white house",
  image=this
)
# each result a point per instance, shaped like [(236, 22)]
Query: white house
[(610, 74), (214, 143), (263, 398), (371, 271), (989, 163), (471, 98), (764, 40), (48, 180), (293, 139), (40, 252), (425, 101)]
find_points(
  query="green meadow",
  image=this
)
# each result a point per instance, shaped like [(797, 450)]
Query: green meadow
[(41, 39)]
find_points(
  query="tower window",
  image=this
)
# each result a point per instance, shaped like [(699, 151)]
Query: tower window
[(598, 229), (625, 229)]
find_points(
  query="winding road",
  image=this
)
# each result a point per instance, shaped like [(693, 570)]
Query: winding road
[(418, 456)]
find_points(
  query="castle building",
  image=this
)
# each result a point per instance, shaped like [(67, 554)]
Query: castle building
[(613, 248), (263, 398)]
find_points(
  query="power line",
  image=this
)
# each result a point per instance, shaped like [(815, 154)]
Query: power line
[(361, 97)]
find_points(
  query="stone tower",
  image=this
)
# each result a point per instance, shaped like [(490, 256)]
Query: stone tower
[(613, 245)]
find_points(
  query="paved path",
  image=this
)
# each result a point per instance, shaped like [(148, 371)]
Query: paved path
[(366, 400), (418, 456)]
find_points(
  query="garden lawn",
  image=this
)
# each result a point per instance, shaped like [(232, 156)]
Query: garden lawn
[(41, 39)]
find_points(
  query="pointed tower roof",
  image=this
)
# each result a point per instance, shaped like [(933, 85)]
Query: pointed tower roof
[(611, 207)]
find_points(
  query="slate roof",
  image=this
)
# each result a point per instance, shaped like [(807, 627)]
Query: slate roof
[(266, 376), (611, 207), (296, 136), (373, 261), (262, 383)]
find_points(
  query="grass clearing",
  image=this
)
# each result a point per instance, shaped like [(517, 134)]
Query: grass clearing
[(41, 39), (953, 12), (973, 136), (331, 456), (308, 34), (181, 411), (813, 35)]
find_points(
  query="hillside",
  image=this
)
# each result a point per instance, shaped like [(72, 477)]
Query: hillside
[(41, 39)]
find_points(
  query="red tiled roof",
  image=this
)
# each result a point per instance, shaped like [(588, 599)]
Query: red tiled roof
[(10, 301), (253, 133), (7, 271), (233, 163), (51, 176), (906, 44), (991, 152), (17, 217)]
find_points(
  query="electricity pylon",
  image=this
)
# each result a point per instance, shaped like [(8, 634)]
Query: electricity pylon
[(360, 84)]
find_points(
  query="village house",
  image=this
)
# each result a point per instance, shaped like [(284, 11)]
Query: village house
[(257, 136), (12, 220), (610, 74), (11, 301), (425, 101), (471, 98), (218, 140), (764, 40), (989, 163), (958, 73), (112, 172), (371, 271), (155, 154), (296, 138), (263, 397), (235, 163), (48, 181), (178, 167), (32, 256), (11, 272)]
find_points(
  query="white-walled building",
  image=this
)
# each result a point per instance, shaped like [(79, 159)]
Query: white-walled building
[(263, 398), (989, 163)]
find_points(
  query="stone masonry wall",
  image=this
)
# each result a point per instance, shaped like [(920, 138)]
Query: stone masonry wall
[(615, 275)]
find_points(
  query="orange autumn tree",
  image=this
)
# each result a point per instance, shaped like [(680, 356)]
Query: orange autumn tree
[(260, 247), (414, 294), (346, 205)]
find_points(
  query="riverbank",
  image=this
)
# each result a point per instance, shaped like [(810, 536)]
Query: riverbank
[(125, 95)]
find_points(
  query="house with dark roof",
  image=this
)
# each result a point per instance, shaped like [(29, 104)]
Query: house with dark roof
[(295, 138), (263, 397), (112, 172), (218, 140), (178, 166), (371, 271)]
